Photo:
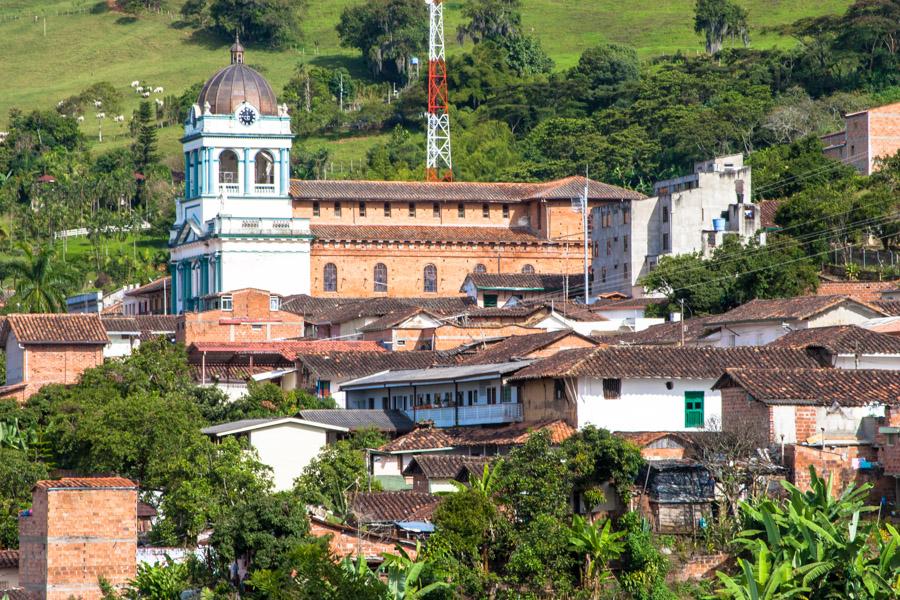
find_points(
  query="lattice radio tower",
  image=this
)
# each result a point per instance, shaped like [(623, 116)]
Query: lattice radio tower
[(438, 165)]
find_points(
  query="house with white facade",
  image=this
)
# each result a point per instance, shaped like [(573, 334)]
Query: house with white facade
[(687, 214), (126, 333), (284, 444), (760, 322), (639, 388), (446, 396), (846, 346), (234, 228)]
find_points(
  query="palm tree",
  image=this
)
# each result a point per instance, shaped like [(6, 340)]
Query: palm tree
[(39, 281)]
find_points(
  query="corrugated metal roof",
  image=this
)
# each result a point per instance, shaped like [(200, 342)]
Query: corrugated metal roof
[(390, 421)]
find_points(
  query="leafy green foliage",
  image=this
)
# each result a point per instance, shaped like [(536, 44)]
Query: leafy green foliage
[(717, 19), (163, 581), (387, 32), (41, 281), (814, 545), (597, 544), (18, 474), (643, 568), (275, 23)]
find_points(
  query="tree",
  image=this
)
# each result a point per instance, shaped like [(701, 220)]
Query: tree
[(603, 71), (144, 148), (40, 282), (467, 524), (337, 471), (717, 19), (490, 20), (18, 474), (814, 544), (387, 32), (598, 544), (275, 23)]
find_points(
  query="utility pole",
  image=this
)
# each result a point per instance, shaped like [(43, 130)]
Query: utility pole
[(584, 231), (342, 91), (681, 301)]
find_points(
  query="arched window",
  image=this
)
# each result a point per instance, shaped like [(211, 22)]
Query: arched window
[(380, 277), (228, 167), (430, 278), (330, 278), (265, 168), (528, 269), (480, 268)]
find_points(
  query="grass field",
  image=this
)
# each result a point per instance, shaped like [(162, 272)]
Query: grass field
[(55, 48)]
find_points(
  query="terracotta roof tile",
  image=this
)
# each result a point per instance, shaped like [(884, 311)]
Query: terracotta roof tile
[(664, 334), (417, 233), (9, 559), (141, 324), (840, 339), (817, 387), (351, 309), (661, 362), (544, 282), (404, 191), (55, 329), (287, 349), (392, 319), (387, 507), (890, 308), (518, 346), (767, 211), (425, 438), (341, 366), (446, 466), (154, 286), (800, 307), (99, 483), (18, 594)]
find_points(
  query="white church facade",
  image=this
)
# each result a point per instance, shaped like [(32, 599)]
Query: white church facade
[(234, 228)]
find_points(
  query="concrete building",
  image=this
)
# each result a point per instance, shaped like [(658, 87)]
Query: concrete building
[(760, 322), (639, 388), (49, 348), (867, 136), (688, 214), (78, 530), (446, 396), (126, 333), (286, 445)]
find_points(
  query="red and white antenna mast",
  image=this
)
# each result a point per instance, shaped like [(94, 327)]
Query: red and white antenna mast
[(438, 166)]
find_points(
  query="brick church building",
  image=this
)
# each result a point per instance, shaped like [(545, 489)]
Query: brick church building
[(243, 223)]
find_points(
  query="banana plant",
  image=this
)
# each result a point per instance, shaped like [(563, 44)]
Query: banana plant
[(597, 545), (405, 575)]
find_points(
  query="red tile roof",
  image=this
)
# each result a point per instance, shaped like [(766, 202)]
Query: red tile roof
[(99, 483), (840, 339), (430, 234), (661, 362), (426, 438), (446, 466), (520, 346), (800, 307), (65, 329), (9, 559), (542, 282), (817, 387), (890, 308), (387, 507), (287, 349), (767, 211), (458, 191), (154, 286), (664, 334), (340, 366)]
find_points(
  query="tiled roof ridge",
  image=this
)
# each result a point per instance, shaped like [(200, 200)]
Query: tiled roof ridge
[(55, 328), (86, 483)]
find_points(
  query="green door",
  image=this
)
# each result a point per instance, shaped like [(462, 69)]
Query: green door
[(693, 409)]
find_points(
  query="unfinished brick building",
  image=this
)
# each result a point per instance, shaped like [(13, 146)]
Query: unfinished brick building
[(867, 136), (49, 348), (78, 530), (247, 315)]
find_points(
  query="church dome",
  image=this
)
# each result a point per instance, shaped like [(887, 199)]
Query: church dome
[(237, 83)]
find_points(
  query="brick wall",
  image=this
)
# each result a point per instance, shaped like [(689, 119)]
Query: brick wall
[(889, 450), (740, 412), (865, 291), (447, 337), (805, 422), (250, 320), (346, 541), (884, 131), (406, 263), (73, 537), (703, 566), (55, 363), (839, 462)]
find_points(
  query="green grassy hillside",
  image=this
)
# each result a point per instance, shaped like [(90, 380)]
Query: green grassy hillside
[(51, 49)]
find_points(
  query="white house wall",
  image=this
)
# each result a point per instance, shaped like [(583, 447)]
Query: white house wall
[(120, 345), (644, 404), (842, 315), (287, 449), (886, 362), (280, 267), (15, 360)]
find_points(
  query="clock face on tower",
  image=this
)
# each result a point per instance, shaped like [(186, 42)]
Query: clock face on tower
[(247, 115)]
